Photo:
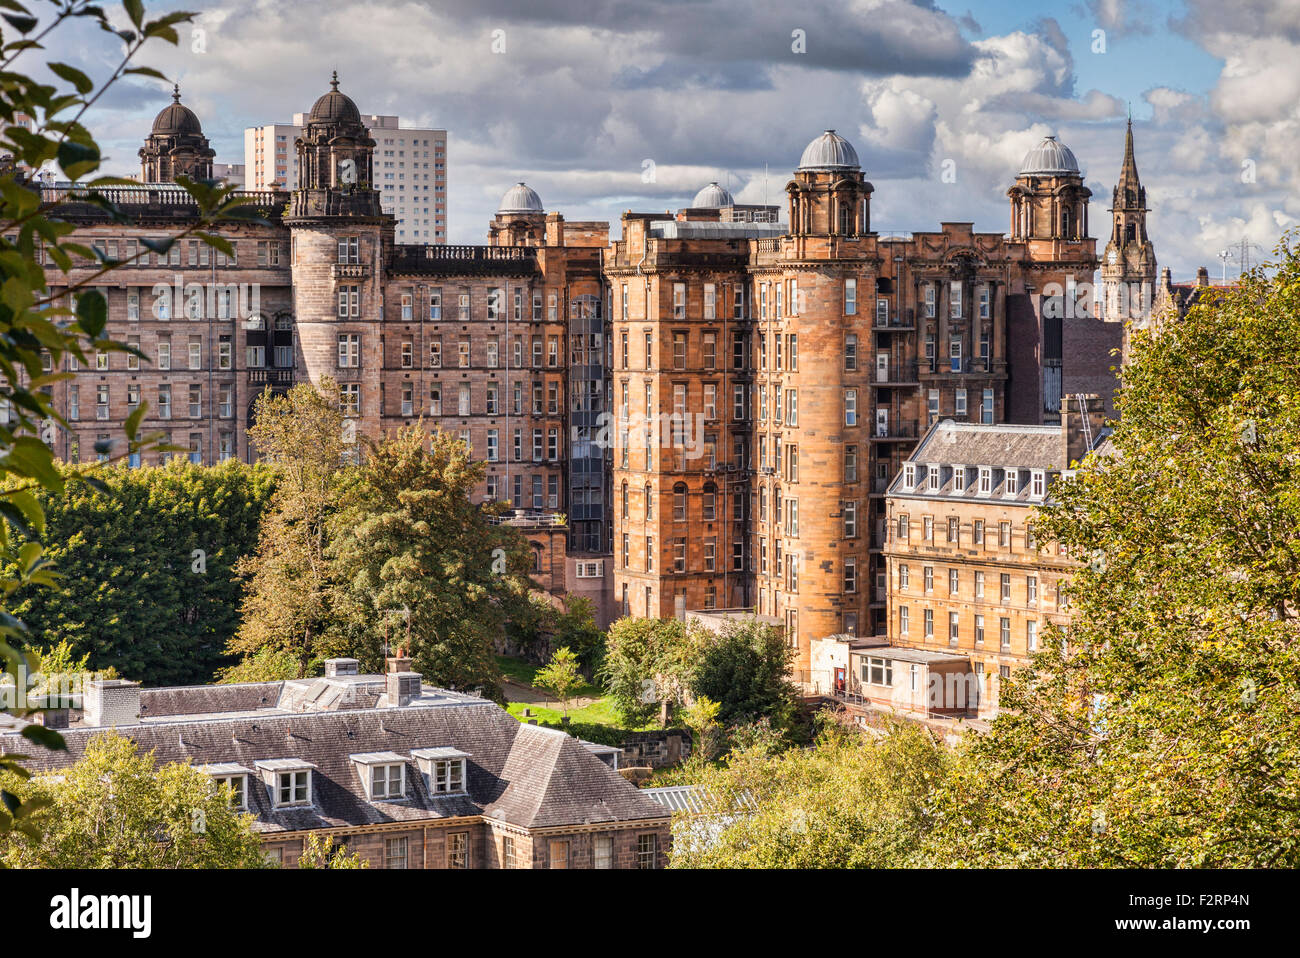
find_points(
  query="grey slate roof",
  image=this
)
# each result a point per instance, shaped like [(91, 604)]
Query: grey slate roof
[(517, 774), (999, 447)]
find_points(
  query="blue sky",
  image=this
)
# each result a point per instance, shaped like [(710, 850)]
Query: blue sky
[(712, 89)]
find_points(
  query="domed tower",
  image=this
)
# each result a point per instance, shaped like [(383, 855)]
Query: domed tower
[(520, 219), (1128, 269), (826, 267), (341, 240), (829, 196), (712, 197), (176, 146), (1049, 200)]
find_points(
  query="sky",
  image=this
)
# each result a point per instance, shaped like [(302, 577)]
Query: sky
[(574, 96)]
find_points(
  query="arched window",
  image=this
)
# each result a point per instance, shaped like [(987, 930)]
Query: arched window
[(624, 500), (649, 502), (1130, 233), (679, 502), (846, 218), (1065, 223), (709, 502)]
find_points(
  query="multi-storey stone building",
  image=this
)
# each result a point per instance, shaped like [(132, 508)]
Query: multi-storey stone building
[(715, 401), (808, 360), (403, 774), (966, 576), (502, 344)]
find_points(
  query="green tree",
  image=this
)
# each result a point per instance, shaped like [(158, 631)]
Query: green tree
[(744, 668), (560, 677), (701, 717), (287, 618), (419, 563), (646, 666), (324, 852), (44, 314), (146, 559), (574, 627), (116, 808), (852, 801), (1164, 729)]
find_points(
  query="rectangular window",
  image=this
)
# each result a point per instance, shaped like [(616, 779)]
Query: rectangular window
[(850, 297), (293, 788), (394, 852), (647, 851), (458, 850), (603, 852)]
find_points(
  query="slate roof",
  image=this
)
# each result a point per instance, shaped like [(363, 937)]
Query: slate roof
[(518, 774), (973, 445)]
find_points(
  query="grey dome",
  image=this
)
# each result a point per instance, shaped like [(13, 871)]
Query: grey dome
[(520, 199), (1049, 157), (176, 118), (334, 107), (712, 196), (830, 151)]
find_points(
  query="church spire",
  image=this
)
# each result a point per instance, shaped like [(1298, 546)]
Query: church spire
[(1128, 173)]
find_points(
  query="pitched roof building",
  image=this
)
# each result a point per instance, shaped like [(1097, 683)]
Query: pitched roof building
[(407, 775)]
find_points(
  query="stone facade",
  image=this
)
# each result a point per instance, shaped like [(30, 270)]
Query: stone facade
[(502, 345)]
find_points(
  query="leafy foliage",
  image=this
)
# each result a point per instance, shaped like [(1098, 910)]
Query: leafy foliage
[(415, 561), (146, 559), (744, 668), (116, 808), (324, 852), (286, 619), (645, 665), (1169, 735), (560, 677), (853, 801), (36, 323)]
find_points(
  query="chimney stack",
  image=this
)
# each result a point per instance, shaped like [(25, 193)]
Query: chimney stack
[(110, 702), (335, 667), (1202, 277), (402, 687)]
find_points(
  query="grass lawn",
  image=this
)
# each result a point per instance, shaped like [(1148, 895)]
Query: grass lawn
[(521, 672), (600, 712)]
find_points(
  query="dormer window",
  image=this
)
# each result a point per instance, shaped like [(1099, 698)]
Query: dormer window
[(958, 478), (289, 780), (383, 774), (1011, 481), (293, 788), (935, 479), (444, 769), (234, 776), (986, 480), (1039, 484), (909, 476)]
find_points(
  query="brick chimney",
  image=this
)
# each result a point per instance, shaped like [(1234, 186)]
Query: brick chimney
[(335, 667), (399, 663), (1202, 277), (1076, 441), (401, 687), (110, 702)]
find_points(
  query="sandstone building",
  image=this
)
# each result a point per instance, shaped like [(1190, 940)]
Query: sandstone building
[(808, 360), (703, 414), (502, 344)]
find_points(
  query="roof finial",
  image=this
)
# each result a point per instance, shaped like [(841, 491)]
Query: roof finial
[(334, 80), (176, 92)]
